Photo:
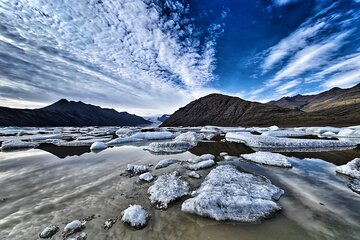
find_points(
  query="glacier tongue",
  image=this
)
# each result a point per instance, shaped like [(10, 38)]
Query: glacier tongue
[(227, 194)]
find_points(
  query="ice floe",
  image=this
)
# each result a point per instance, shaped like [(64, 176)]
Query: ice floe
[(136, 216), (77, 143), (269, 142), (121, 140), (49, 231), (16, 144), (201, 165), (147, 177), (168, 188), (351, 169), (227, 194), (201, 158), (269, 158), (165, 163), (285, 133), (152, 135), (98, 146), (137, 168), (188, 137), (169, 147)]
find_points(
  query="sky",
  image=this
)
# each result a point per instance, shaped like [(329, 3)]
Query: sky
[(154, 56)]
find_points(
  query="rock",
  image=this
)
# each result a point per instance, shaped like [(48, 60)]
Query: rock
[(109, 223), (78, 236)]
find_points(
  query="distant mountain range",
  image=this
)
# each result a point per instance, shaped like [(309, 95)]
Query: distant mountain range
[(68, 113), (336, 107)]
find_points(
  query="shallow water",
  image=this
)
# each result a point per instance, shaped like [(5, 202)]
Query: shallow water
[(39, 187)]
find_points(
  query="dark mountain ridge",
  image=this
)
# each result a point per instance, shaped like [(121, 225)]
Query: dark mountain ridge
[(68, 113), (222, 110)]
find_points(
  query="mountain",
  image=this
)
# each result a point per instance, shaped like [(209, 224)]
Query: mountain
[(163, 117), (68, 113), (222, 110), (333, 98)]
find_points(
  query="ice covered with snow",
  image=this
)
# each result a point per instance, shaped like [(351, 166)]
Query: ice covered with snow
[(169, 147), (351, 169), (201, 165), (188, 137), (98, 146), (165, 162), (136, 216), (322, 130), (137, 168), (16, 144), (209, 129), (262, 142), (73, 227), (147, 177), (227, 194), (273, 128), (194, 174), (49, 231), (223, 154), (269, 158), (168, 188)]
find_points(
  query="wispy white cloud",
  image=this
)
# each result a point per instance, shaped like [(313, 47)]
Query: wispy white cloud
[(311, 57), (284, 89), (284, 2), (129, 54)]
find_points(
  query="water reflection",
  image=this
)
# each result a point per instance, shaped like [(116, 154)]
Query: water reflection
[(39, 189)]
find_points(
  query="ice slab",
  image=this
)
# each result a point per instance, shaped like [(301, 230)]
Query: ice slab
[(136, 216), (227, 194)]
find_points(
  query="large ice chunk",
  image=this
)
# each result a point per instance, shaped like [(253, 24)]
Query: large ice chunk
[(285, 133), (269, 158), (136, 216), (355, 185), (121, 140), (188, 137), (147, 177), (167, 188), (153, 135), (267, 142), (16, 144), (227, 194), (201, 158), (351, 169), (73, 226)]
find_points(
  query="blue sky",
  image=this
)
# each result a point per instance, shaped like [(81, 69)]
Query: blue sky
[(151, 56)]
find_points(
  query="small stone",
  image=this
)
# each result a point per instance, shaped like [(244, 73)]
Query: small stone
[(109, 223), (79, 236)]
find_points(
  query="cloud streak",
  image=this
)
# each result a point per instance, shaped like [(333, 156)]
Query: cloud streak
[(131, 54)]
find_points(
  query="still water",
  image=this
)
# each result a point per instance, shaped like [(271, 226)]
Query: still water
[(57, 185)]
